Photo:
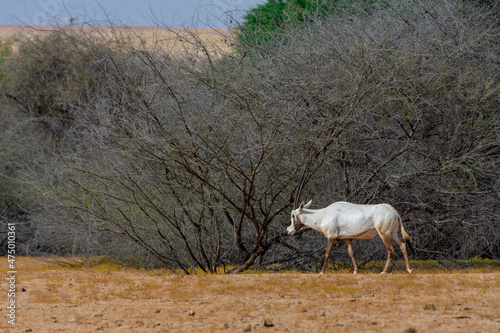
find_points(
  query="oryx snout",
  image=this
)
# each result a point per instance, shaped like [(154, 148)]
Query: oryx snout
[(291, 230)]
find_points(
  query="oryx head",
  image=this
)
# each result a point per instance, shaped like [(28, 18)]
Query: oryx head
[(295, 218)]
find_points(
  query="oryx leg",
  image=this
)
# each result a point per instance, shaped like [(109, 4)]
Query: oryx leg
[(351, 254), (402, 246), (329, 248), (390, 250)]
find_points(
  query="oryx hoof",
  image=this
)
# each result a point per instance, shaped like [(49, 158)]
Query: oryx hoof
[(320, 273), (355, 272), (409, 270)]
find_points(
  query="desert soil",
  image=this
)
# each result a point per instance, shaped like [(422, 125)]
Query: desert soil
[(174, 41), (111, 299)]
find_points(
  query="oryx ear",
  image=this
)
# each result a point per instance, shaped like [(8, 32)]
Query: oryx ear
[(301, 206), (307, 205)]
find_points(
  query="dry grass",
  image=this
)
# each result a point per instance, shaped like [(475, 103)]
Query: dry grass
[(112, 298)]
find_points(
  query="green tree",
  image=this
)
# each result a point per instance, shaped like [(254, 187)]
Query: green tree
[(262, 22)]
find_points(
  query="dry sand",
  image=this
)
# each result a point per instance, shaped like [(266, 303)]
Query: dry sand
[(175, 41), (110, 299)]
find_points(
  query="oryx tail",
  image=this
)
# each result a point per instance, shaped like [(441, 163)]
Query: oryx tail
[(406, 236)]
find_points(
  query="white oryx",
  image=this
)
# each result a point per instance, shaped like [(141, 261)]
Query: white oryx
[(346, 221)]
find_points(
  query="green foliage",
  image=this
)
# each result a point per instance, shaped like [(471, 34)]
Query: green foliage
[(5, 50), (264, 21)]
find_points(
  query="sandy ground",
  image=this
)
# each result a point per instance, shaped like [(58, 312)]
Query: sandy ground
[(111, 299), (8, 30), (175, 41)]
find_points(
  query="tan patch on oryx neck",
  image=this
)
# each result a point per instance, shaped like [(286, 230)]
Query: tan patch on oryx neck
[(297, 223)]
